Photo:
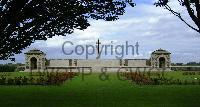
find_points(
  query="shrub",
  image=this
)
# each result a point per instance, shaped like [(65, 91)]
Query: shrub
[(185, 73), (41, 81), (52, 78), (7, 68), (2, 80), (179, 82), (193, 82), (17, 80), (10, 81), (156, 81), (31, 80), (24, 80), (185, 82)]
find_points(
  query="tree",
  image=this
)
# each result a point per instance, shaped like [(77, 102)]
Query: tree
[(24, 21), (193, 9)]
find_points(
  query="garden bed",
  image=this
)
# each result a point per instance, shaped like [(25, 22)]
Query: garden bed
[(38, 78)]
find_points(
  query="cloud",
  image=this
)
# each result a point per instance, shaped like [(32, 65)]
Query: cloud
[(153, 27)]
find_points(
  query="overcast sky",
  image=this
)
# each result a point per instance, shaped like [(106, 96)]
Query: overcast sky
[(152, 27)]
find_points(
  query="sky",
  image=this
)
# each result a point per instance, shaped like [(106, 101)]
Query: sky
[(152, 27)]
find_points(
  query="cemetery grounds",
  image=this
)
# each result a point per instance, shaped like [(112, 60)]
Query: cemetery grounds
[(169, 89)]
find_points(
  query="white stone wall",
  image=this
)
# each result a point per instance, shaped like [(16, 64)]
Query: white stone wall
[(98, 63), (137, 62), (59, 63)]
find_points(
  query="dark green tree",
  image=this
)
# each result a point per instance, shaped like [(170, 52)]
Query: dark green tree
[(24, 21)]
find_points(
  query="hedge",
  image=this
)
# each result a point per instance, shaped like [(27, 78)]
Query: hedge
[(7, 68)]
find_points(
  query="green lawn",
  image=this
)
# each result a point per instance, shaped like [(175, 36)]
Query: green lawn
[(93, 92), (179, 75)]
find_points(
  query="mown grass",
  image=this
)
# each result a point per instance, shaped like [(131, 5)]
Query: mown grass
[(179, 75), (92, 92)]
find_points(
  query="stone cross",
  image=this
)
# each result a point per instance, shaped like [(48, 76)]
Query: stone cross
[(98, 48)]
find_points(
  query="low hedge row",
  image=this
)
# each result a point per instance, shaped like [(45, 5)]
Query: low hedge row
[(7, 68), (49, 79), (146, 79)]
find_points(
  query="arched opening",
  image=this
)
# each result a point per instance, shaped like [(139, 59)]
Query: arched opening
[(33, 63), (161, 62)]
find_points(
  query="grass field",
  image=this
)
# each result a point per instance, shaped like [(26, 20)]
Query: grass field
[(93, 92)]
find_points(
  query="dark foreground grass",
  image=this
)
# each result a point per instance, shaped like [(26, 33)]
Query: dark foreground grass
[(93, 92)]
